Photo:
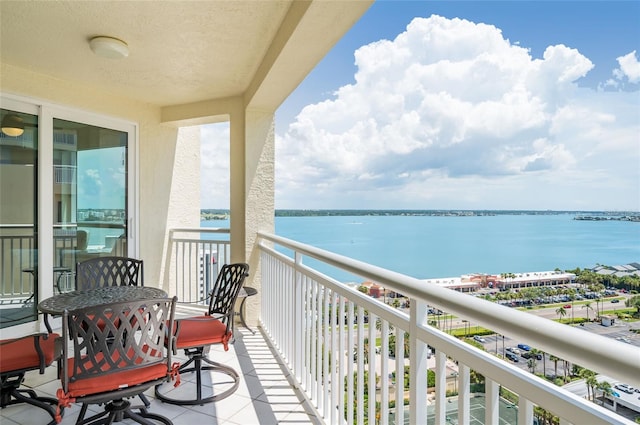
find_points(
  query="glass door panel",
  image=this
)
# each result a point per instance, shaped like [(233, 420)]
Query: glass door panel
[(18, 217), (89, 195)]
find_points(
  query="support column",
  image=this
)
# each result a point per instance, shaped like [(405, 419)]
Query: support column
[(237, 189), (252, 192)]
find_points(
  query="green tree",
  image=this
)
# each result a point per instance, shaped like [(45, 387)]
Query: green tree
[(590, 381), (605, 388), (534, 355), (365, 352), (561, 312), (588, 307), (392, 345), (634, 302)]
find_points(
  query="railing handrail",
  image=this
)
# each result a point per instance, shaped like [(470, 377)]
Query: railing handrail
[(604, 355), (200, 230)]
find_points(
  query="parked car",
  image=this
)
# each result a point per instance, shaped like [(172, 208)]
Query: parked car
[(524, 347), (529, 354), (511, 356), (513, 350), (479, 339), (624, 388)]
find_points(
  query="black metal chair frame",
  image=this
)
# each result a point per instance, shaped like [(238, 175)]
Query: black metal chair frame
[(10, 392), (131, 335), (221, 307), (109, 271)]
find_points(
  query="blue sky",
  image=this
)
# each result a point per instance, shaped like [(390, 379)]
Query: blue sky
[(465, 105)]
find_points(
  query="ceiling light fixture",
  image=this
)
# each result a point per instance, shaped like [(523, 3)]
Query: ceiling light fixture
[(109, 47), (12, 125)]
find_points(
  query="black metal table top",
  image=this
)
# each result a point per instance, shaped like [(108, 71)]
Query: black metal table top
[(80, 299)]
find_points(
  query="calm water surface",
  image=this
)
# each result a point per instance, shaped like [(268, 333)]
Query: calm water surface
[(430, 247)]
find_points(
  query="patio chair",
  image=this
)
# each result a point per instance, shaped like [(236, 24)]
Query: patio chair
[(195, 335), (109, 364), (21, 355), (109, 271)]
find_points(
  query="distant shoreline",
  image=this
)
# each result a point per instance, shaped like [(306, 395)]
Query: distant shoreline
[(219, 214)]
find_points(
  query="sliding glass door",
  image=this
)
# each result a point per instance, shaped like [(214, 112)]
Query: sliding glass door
[(18, 217), (89, 195), (67, 193)]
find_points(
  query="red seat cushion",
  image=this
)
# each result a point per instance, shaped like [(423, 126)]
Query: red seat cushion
[(20, 353), (113, 381), (201, 331)]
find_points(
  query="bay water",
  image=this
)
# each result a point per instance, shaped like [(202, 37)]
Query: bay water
[(428, 247)]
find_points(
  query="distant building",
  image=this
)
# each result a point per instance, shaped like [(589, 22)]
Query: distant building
[(608, 320), (476, 281), (631, 269)]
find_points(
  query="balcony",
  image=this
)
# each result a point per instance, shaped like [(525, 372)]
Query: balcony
[(311, 360)]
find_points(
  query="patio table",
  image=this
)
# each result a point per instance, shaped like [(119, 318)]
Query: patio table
[(73, 300)]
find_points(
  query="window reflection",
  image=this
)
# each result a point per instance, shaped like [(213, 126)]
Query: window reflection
[(18, 217)]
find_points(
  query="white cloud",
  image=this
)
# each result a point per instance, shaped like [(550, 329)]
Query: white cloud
[(452, 115), (629, 68)]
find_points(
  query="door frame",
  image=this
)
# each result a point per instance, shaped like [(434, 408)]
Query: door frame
[(46, 112)]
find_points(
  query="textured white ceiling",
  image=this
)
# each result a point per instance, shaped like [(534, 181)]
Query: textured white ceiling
[(180, 51)]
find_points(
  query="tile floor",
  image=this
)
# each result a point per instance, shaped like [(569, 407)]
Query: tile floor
[(265, 395)]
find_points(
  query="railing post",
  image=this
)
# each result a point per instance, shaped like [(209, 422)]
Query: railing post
[(399, 410), (298, 323), (464, 395), (492, 405), (441, 387), (418, 362), (525, 412)]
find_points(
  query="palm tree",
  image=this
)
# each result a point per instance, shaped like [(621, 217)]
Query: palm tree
[(590, 380), (531, 364), (572, 296), (534, 355), (365, 352), (606, 389), (587, 305), (555, 361), (592, 383), (561, 312), (566, 371)]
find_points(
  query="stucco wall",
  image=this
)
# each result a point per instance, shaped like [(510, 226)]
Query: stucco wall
[(260, 192)]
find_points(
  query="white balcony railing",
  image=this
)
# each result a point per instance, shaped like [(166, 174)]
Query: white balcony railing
[(198, 254), (321, 329)]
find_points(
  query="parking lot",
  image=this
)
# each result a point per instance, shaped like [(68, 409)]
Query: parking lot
[(500, 344)]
